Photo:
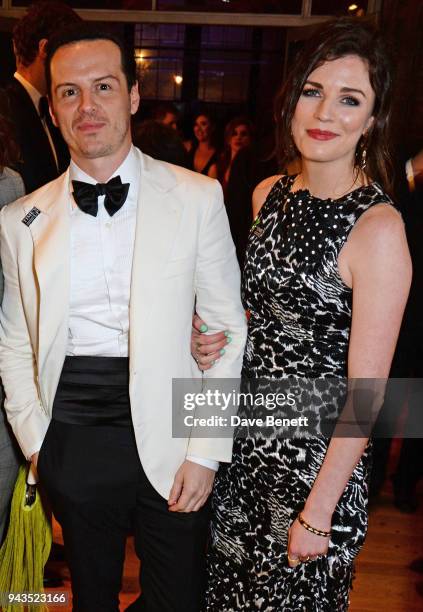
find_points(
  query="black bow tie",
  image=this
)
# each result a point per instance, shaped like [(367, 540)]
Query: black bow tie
[(86, 195)]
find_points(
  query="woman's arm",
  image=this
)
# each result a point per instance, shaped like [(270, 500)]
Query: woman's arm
[(376, 263)]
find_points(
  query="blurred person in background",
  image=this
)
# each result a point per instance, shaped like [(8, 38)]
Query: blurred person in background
[(238, 173), (407, 364), (203, 154), (161, 142), (43, 152), (167, 114), (238, 135), (11, 188)]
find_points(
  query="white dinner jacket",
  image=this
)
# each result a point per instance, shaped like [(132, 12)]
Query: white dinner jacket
[(183, 253)]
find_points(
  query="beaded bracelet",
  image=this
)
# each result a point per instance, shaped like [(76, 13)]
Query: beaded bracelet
[(319, 532)]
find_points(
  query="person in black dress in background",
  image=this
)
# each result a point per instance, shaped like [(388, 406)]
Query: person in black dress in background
[(241, 167), (237, 173), (238, 136), (325, 281), (203, 154)]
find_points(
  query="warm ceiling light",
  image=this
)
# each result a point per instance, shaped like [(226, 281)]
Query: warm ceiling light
[(353, 7), (178, 79)]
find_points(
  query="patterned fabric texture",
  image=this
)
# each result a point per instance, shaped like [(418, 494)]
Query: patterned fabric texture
[(299, 326)]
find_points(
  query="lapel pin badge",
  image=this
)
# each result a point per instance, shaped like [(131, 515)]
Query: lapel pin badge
[(29, 218), (257, 231)]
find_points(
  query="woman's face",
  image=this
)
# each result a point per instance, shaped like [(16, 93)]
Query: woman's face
[(240, 138), (334, 110), (202, 128)]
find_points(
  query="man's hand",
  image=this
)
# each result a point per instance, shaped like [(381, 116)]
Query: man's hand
[(32, 476), (207, 348), (34, 459), (192, 486)]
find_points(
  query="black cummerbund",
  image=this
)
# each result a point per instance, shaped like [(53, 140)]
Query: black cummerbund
[(93, 391)]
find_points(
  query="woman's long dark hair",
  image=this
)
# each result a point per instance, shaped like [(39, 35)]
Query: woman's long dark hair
[(9, 150), (335, 39)]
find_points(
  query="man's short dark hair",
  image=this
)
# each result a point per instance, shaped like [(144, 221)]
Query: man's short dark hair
[(42, 20), (90, 32)]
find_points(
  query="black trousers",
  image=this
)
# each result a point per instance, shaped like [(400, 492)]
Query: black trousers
[(90, 469)]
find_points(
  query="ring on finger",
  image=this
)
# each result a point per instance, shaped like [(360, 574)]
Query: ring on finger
[(305, 559), (294, 560)]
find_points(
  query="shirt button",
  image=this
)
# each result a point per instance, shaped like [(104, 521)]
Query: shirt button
[(108, 224)]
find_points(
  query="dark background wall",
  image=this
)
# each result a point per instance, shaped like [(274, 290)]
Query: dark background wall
[(402, 20), (268, 54)]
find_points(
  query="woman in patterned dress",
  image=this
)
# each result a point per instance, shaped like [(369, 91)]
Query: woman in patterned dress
[(326, 279)]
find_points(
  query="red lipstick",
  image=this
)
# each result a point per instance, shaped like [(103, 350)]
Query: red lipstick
[(321, 134)]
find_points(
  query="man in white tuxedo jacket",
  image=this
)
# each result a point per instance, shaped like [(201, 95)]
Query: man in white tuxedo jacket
[(102, 268)]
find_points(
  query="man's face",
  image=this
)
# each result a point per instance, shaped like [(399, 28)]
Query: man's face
[(90, 100)]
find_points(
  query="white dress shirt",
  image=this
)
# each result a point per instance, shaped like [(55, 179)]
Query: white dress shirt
[(101, 263), (36, 96)]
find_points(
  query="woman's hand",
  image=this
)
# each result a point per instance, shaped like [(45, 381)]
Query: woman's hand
[(207, 348), (305, 546)]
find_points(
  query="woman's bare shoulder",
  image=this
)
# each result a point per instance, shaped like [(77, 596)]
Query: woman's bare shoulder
[(378, 243), (261, 192), (378, 222)]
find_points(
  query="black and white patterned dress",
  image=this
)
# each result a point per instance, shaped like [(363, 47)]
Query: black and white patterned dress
[(299, 326)]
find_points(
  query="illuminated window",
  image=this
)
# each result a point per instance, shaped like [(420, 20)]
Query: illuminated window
[(159, 56), (226, 56)]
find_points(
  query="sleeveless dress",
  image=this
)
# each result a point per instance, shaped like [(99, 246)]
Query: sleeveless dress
[(300, 319), (213, 159)]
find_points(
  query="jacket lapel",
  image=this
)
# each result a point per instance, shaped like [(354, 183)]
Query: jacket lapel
[(51, 238), (158, 217)]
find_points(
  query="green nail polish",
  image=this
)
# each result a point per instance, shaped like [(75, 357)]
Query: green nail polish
[(226, 333), (229, 339), (203, 328), (222, 351), (212, 363)]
